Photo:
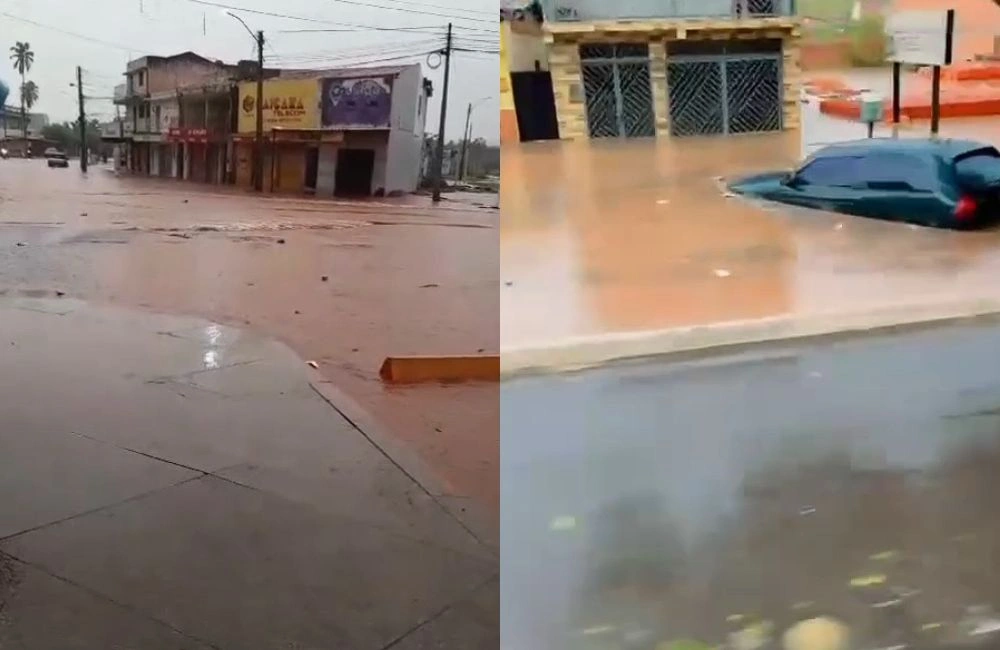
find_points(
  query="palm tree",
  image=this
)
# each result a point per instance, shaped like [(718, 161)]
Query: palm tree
[(29, 93), (22, 56)]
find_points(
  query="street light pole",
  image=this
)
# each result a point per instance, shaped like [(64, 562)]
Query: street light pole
[(439, 150), (258, 184), (258, 141), (467, 135)]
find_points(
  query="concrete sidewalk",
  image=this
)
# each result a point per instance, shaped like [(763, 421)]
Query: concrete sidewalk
[(172, 483)]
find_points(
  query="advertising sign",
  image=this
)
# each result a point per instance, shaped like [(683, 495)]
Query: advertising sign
[(288, 103), (177, 134), (920, 37), (365, 103)]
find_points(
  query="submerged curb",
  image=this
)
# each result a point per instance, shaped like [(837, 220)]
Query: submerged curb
[(588, 351)]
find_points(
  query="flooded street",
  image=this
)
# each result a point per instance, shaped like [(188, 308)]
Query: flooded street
[(835, 494), (668, 503), (630, 235), (343, 283)]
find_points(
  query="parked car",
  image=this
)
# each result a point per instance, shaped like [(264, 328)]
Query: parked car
[(932, 182), (56, 158)]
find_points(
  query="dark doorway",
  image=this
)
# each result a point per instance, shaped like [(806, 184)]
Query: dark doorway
[(312, 168), (536, 106), (355, 168), (180, 161)]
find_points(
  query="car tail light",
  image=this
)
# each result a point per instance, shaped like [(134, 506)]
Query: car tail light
[(966, 208)]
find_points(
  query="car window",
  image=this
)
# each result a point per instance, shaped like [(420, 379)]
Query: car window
[(835, 171), (900, 171)]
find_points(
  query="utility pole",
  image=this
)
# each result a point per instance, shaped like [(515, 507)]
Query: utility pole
[(83, 120), (258, 157), (439, 151), (465, 143)]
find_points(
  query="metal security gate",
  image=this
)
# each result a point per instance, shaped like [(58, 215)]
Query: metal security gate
[(720, 94), (617, 88)]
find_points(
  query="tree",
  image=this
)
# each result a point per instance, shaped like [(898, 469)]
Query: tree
[(23, 57), (29, 92)]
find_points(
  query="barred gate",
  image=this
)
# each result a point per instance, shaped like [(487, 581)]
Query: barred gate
[(618, 90), (722, 94)]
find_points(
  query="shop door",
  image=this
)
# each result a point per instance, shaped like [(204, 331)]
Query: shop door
[(727, 90), (355, 168), (619, 97), (535, 106)]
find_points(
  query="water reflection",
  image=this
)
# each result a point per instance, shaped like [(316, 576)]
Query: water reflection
[(724, 504)]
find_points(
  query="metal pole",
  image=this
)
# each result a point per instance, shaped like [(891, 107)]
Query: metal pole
[(258, 183), (83, 120), (935, 100), (895, 91), (465, 143), (439, 151)]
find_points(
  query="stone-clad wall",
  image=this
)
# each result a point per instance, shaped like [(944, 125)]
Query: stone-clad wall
[(567, 80)]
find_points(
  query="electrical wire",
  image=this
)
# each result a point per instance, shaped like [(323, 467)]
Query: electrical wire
[(358, 3), (415, 57), (354, 52), (66, 32)]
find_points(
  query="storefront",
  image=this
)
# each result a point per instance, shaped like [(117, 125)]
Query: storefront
[(196, 155)]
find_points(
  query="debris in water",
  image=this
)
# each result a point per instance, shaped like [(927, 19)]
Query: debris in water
[(185, 200), (868, 580), (83, 214), (807, 510), (429, 285), (297, 311), (312, 364), (563, 522), (325, 278), (21, 243), (662, 201), (597, 629), (281, 241), (506, 284), (885, 556), (839, 226), (60, 293), (722, 273), (929, 627), (822, 633)]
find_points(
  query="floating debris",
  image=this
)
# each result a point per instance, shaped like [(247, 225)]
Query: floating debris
[(807, 510), (868, 580), (563, 522), (597, 629), (885, 556), (662, 201), (822, 633), (930, 627), (312, 364), (722, 273)]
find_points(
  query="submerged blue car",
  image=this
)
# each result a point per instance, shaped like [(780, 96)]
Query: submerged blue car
[(931, 182)]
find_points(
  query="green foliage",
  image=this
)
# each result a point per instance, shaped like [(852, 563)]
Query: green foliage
[(29, 91), (66, 136), (868, 42), (23, 57)]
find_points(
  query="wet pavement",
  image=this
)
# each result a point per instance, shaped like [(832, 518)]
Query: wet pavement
[(171, 482), (720, 501), (633, 235), (344, 283)]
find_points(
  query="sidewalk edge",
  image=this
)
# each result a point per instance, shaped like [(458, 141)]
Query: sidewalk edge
[(590, 351)]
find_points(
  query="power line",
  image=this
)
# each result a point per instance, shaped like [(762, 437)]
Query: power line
[(447, 8), (65, 32), (358, 3)]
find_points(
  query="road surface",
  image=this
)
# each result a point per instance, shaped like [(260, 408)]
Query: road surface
[(855, 479)]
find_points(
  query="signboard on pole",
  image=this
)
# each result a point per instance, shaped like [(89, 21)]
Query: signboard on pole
[(920, 37)]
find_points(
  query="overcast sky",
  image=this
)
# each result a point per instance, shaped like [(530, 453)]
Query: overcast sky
[(171, 26)]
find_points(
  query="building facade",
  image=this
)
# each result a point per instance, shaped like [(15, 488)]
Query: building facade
[(644, 68), (347, 132), (178, 115)]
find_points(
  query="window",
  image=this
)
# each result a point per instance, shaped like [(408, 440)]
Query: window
[(899, 171), (837, 171), (142, 78)]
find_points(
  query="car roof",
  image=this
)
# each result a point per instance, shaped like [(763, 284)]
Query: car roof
[(943, 147)]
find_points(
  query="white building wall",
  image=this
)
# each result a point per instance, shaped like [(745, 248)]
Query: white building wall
[(406, 134), (326, 170)]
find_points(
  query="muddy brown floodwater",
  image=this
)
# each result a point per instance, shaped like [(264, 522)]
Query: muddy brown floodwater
[(624, 235), (402, 277)]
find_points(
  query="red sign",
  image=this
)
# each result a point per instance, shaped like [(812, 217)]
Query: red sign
[(176, 134)]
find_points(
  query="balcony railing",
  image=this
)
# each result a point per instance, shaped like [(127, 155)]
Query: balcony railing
[(584, 10)]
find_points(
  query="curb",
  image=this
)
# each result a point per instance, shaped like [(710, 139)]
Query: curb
[(470, 515), (590, 351)]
